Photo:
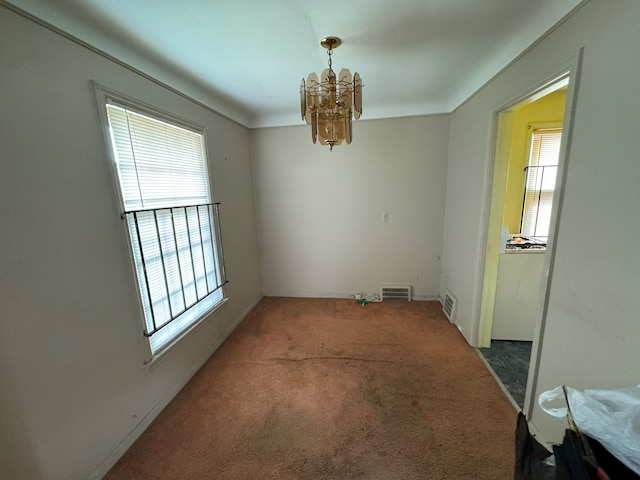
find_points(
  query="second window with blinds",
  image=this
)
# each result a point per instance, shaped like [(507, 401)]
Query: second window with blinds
[(173, 225), (540, 181)]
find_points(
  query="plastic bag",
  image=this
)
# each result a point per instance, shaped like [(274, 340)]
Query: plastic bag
[(610, 416)]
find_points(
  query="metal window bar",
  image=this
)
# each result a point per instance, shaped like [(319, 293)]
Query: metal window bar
[(200, 233), (531, 177), (204, 261)]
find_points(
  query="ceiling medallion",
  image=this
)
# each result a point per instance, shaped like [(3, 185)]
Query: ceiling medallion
[(329, 104)]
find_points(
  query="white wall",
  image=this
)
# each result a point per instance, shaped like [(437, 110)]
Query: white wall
[(320, 211), (71, 351), (71, 348), (592, 335)]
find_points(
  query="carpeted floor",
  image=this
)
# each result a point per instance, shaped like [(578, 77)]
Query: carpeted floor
[(328, 389)]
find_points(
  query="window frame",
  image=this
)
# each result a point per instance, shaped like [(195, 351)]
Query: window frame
[(532, 129), (105, 95)]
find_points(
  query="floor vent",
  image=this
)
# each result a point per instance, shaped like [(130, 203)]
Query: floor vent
[(449, 305), (395, 293)]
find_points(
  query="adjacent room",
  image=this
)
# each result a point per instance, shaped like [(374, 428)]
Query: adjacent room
[(210, 269)]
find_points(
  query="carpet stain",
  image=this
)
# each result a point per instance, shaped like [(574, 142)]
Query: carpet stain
[(327, 389)]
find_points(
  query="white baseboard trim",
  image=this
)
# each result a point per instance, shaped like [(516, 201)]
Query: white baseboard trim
[(533, 430), (497, 379), (133, 435), (419, 298), (309, 295), (426, 298)]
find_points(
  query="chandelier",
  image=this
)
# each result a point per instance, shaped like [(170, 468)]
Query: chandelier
[(328, 104)]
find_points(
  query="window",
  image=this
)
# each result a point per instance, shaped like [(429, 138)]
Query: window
[(540, 182), (173, 226)]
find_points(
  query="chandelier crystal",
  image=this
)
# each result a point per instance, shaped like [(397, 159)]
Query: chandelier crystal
[(328, 104)]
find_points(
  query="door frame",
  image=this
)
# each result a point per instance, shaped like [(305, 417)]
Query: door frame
[(569, 68)]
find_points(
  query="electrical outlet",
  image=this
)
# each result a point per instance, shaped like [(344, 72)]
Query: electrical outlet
[(385, 218)]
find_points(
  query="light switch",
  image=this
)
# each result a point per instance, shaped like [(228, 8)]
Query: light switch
[(385, 218)]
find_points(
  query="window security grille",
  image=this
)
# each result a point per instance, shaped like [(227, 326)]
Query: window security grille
[(174, 228), (178, 259), (538, 199), (540, 182)]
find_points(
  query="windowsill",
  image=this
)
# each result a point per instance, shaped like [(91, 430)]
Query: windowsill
[(158, 357), (518, 251)]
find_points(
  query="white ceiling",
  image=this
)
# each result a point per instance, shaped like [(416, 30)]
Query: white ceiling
[(245, 58)]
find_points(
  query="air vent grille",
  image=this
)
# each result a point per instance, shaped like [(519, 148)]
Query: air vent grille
[(395, 293), (449, 305)]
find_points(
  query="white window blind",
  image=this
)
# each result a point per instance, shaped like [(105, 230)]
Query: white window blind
[(540, 182), (159, 164), (173, 227)]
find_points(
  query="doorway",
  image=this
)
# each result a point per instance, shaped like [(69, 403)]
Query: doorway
[(526, 187)]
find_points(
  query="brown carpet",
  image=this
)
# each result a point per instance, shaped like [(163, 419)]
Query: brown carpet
[(328, 389)]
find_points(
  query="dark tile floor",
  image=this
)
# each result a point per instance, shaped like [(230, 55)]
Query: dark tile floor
[(510, 360)]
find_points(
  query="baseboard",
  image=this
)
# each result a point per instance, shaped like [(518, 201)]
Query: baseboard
[(308, 295), (133, 435), (419, 298), (497, 379), (533, 430), (426, 298)]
